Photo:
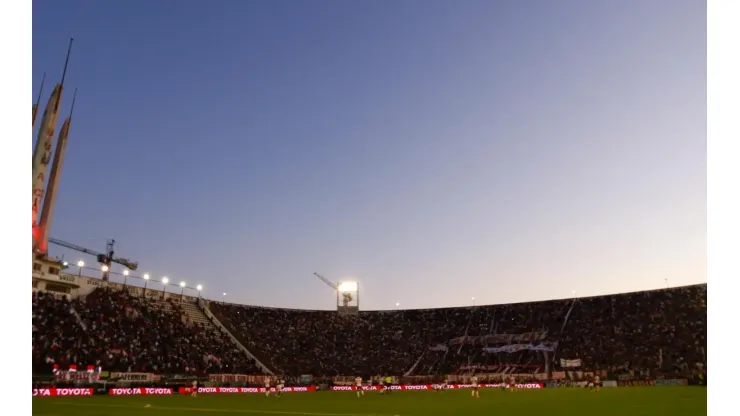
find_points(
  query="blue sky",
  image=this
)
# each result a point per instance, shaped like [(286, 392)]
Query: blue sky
[(433, 150)]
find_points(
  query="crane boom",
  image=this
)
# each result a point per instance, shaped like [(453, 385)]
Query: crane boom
[(106, 259), (327, 281)]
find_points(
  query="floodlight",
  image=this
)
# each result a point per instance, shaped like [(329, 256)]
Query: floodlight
[(347, 287)]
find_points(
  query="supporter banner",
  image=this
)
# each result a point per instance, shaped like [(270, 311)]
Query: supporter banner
[(545, 346), (54, 392), (154, 391), (558, 375), (237, 378), (432, 387), (439, 347), (500, 338), (74, 375), (570, 363), (133, 377), (609, 383), (206, 390), (672, 382), (495, 367)]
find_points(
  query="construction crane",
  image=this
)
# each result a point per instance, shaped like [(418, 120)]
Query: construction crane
[(343, 289), (104, 259)]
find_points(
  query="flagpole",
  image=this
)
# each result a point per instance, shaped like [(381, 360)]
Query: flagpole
[(38, 101)]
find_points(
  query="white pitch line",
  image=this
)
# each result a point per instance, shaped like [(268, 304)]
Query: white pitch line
[(237, 411)]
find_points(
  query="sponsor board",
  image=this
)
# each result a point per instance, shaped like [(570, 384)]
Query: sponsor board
[(433, 387), (635, 383), (140, 391), (54, 392), (672, 382), (225, 390), (133, 377)]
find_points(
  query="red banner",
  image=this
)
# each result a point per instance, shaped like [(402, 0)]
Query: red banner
[(54, 392), (432, 387), (141, 391), (207, 390)]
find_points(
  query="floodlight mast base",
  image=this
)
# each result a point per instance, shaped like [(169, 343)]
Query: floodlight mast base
[(348, 299)]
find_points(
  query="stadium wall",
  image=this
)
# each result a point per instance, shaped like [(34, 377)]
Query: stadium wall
[(75, 286)]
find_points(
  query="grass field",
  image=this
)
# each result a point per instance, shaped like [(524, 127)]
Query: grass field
[(634, 401)]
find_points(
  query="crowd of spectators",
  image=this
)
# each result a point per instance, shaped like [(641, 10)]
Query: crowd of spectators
[(123, 333), (662, 329), (57, 336)]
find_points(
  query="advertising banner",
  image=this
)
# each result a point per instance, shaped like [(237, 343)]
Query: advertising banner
[(224, 390), (672, 382), (565, 363), (433, 387), (635, 383), (54, 392), (144, 391), (134, 377)]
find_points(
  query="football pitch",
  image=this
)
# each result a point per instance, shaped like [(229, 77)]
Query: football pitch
[(632, 401)]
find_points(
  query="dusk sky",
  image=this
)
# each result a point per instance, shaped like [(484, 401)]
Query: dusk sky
[(433, 150)]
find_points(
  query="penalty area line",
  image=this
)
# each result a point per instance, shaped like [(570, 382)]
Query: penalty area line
[(208, 410)]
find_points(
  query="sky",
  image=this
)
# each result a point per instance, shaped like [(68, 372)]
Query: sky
[(440, 153)]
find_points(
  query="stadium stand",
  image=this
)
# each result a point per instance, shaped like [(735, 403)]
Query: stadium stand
[(643, 330), (120, 332), (655, 330)]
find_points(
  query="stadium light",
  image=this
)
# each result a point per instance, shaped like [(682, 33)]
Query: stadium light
[(125, 272), (347, 287), (224, 293), (397, 304), (65, 264), (165, 280), (199, 287), (182, 290), (125, 277), (182, 284), (146, 280), (104, 268), (146, 277), (80, 265)]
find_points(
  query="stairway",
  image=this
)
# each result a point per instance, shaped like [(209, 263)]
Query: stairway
[(194, 314)]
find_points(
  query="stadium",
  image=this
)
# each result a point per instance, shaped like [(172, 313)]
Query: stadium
[(105, 338), (109, 343)]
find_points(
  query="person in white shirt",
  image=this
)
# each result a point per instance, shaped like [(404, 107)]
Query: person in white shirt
[(358, 386), (474, 392), (267, 386), (195, 389)]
